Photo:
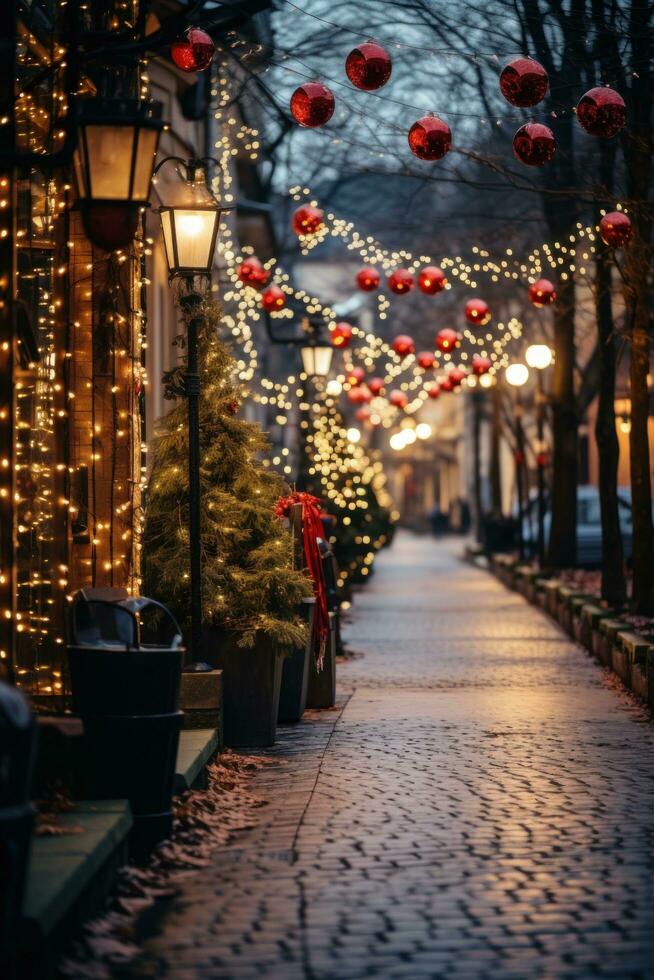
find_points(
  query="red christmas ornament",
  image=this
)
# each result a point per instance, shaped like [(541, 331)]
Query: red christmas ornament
[(360, 395), (367, 278), (376, 385), (615, 229), (307, 220), (602, 112), (434, 390), (400, 281), (431, 280), (477, 312), (368, 66), (193, 53), (447, 339), (342, 335), (519, 457), (403, 345), (542, 459), (542, 293), (398, 399), (312, 104), (355, 376), (446, 384), (426, 359), (363, 414), (534, 144), (252, 273), (430, 138), (456, 376), (232, 408), (524, 82), (273, 299), (480, 365)]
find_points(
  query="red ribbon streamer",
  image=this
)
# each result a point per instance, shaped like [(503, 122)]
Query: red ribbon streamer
[(312, 529)]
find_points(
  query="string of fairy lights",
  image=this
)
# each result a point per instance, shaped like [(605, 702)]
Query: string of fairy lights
[(59, 391)]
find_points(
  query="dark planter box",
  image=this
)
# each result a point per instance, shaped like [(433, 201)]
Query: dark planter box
[(252, 679), (322, 684), (295, 673)]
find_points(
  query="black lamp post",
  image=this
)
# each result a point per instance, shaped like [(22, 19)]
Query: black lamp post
[(516, 375), (114, 163), (539, 357), (190, 230), (316, 351)]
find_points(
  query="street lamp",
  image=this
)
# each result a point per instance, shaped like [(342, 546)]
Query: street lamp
[(316, 349), (517, 375), (114, 163), (539, 356), (190, 229)]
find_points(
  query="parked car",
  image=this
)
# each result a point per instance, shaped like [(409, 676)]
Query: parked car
[(589, 524)]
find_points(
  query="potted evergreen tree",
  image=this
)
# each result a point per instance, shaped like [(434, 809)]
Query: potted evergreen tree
[(251, 591)]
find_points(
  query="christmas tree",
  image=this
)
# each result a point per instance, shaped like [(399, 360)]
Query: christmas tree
[(249, 583)]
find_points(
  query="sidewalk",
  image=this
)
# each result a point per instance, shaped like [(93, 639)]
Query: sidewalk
[(480, 804)]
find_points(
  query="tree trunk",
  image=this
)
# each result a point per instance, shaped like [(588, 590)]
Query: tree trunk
[(638, 153), (562, 547), (614, 588)]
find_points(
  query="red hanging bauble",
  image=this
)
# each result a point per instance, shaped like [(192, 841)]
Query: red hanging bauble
[(434, 390), (430, 138), (355, 376), (312, 104), (252, 273), (400, 281), (426, 359), (477, 312), (307, 220), (542, 293), (193, 53), (363, 414), (615, 229), (367, 278), (534, 144), (398, 399), (431, 280), (524, 82), (273, 299), (446, 384), (456, 376), (341, 335), (368, 66), (359, 395), (232, 407), (602, 112), (403, 345), (480, 365), (376, 385), (447, 339)]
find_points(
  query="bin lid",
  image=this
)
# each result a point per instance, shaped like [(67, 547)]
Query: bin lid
[(123, 623)]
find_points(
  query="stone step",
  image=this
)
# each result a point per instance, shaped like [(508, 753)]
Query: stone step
[(197, 747)]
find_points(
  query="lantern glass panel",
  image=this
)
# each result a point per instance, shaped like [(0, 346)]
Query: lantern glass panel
[(144, 163), (109, 151), (189, 238), (317, 361)]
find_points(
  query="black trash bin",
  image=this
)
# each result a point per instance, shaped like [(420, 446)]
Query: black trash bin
[(125, 662), (17, 752)]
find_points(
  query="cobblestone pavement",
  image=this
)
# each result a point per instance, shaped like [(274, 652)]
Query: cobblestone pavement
[(480, 804)]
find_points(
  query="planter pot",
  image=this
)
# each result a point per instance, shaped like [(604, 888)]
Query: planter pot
[(295, 673), (322, 684), (128, 702), (251, 686)]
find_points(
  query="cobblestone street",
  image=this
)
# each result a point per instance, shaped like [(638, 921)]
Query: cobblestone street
[(480, 804)]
